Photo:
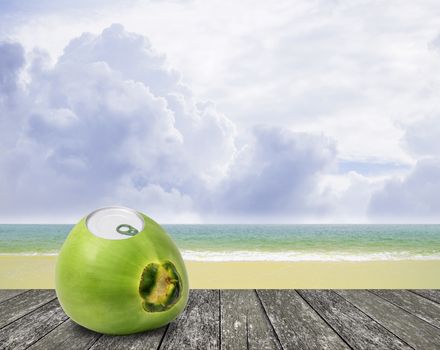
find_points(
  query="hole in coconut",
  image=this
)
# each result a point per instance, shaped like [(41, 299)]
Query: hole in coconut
[(160, 286)]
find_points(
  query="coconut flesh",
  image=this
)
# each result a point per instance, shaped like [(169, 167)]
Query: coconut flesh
[(114, 223)]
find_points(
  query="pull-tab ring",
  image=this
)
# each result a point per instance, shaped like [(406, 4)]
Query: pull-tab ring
[(126, 229)]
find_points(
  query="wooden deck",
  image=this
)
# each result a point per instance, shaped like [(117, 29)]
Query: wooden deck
[(242, 319)]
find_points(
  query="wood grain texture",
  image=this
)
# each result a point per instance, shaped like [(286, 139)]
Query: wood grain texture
[(31, 327), (297, 325), (141, 341), (199, 326), (431, 294), (357, 329), (6, 294), (24, 303), (411, 329), (242, 319), (415, 304), (244, 324), (66, 336)]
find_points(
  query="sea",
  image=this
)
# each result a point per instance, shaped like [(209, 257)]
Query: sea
[(230, 242)]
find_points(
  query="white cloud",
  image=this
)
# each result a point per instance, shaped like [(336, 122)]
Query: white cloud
[(330, 67), (97, 130), (11, 62), (91, 128), (276, 175), (348, 196), (412, 199), (363, 74), (422, 137)]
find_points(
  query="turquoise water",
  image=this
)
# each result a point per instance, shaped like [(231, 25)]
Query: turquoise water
[(260, 242)]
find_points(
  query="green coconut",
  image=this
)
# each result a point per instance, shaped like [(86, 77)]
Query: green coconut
[(121, 286)]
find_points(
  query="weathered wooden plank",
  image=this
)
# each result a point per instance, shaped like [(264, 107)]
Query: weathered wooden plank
[(68, 335), (415, 304), (236, 319), (31, 327), (6, 294), (411, 329), (357, 329), (199, 325), (22, 304), (141, 341), (297, 325), (431, 294), (244, 324)]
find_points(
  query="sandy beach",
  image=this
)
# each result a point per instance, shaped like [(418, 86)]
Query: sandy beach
[(38, 272)]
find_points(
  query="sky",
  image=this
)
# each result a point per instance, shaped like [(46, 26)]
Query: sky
[(221, 111)]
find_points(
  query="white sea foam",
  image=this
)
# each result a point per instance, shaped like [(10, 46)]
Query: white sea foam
[(30, 254), (192, 255), (286, 256)]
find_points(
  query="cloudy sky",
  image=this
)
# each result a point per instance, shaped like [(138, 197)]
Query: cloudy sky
[(221, 111)]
